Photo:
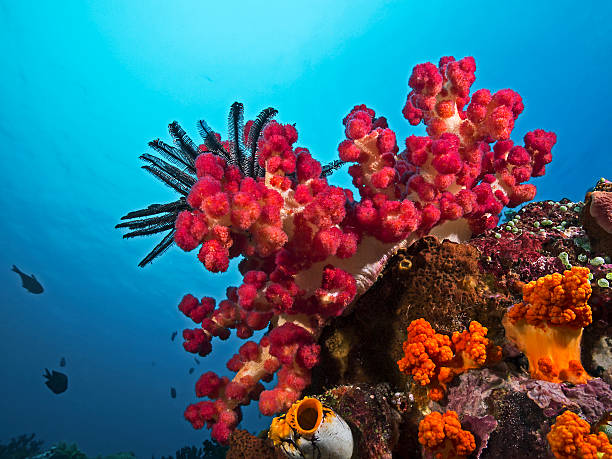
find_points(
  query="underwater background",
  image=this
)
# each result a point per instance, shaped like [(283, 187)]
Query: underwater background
[(85, 86)]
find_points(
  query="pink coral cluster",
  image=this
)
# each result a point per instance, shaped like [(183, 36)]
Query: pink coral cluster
[(310, 248), (452, 173)]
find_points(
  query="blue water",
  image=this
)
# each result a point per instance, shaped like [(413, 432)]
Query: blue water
[(85, 86)]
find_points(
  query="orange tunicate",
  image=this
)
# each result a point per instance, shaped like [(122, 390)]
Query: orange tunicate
[(433, 359), (547, 325), (443, 436), (570, 438)]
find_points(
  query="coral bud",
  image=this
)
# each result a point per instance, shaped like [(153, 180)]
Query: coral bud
[(209, 384), (214, 256)]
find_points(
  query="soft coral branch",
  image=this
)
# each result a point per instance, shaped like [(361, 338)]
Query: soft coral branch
[(451, 174)]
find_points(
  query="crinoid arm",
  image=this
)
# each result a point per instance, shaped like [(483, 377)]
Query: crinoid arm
[(330, 168), (175, 166), (154, 219), (264, 117)]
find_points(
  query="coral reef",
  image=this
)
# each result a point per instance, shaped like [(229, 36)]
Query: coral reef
[(437, 281), (508, 413), (436, 278), (309, 247), (64, 450), (209, 450), (591, 400), (523, 407), (21, 447), (243, 445), (529, 245), (409, 311), (498, 413), (558, 233)]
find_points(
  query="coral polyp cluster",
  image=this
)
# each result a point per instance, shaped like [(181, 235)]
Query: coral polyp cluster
[(309, 248), (570, 438), (443, 436), (547, 325), (434, 359)]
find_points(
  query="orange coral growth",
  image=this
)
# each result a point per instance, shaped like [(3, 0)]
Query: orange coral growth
[(434, 359), (472, 344), (556, 299), (570, 438), (424, 351), (443, 436), (547, 325)]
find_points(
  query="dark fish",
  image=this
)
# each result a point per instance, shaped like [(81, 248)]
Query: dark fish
[(172, 392), (173, 336), (191, 370), (56, 381), (63, 362), (30, 283), (196, 360)]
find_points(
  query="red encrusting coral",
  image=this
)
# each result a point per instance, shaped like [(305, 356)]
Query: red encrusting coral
[(310, 248), (434, 359)]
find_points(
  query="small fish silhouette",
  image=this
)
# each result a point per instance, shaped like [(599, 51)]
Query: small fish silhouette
[(173, 336), (30, 283), (172, 392), (56, 381), (191, 370), (196, 360), (63, 362)]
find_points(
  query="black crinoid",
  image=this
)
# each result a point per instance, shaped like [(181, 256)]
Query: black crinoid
[(175, 167)]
